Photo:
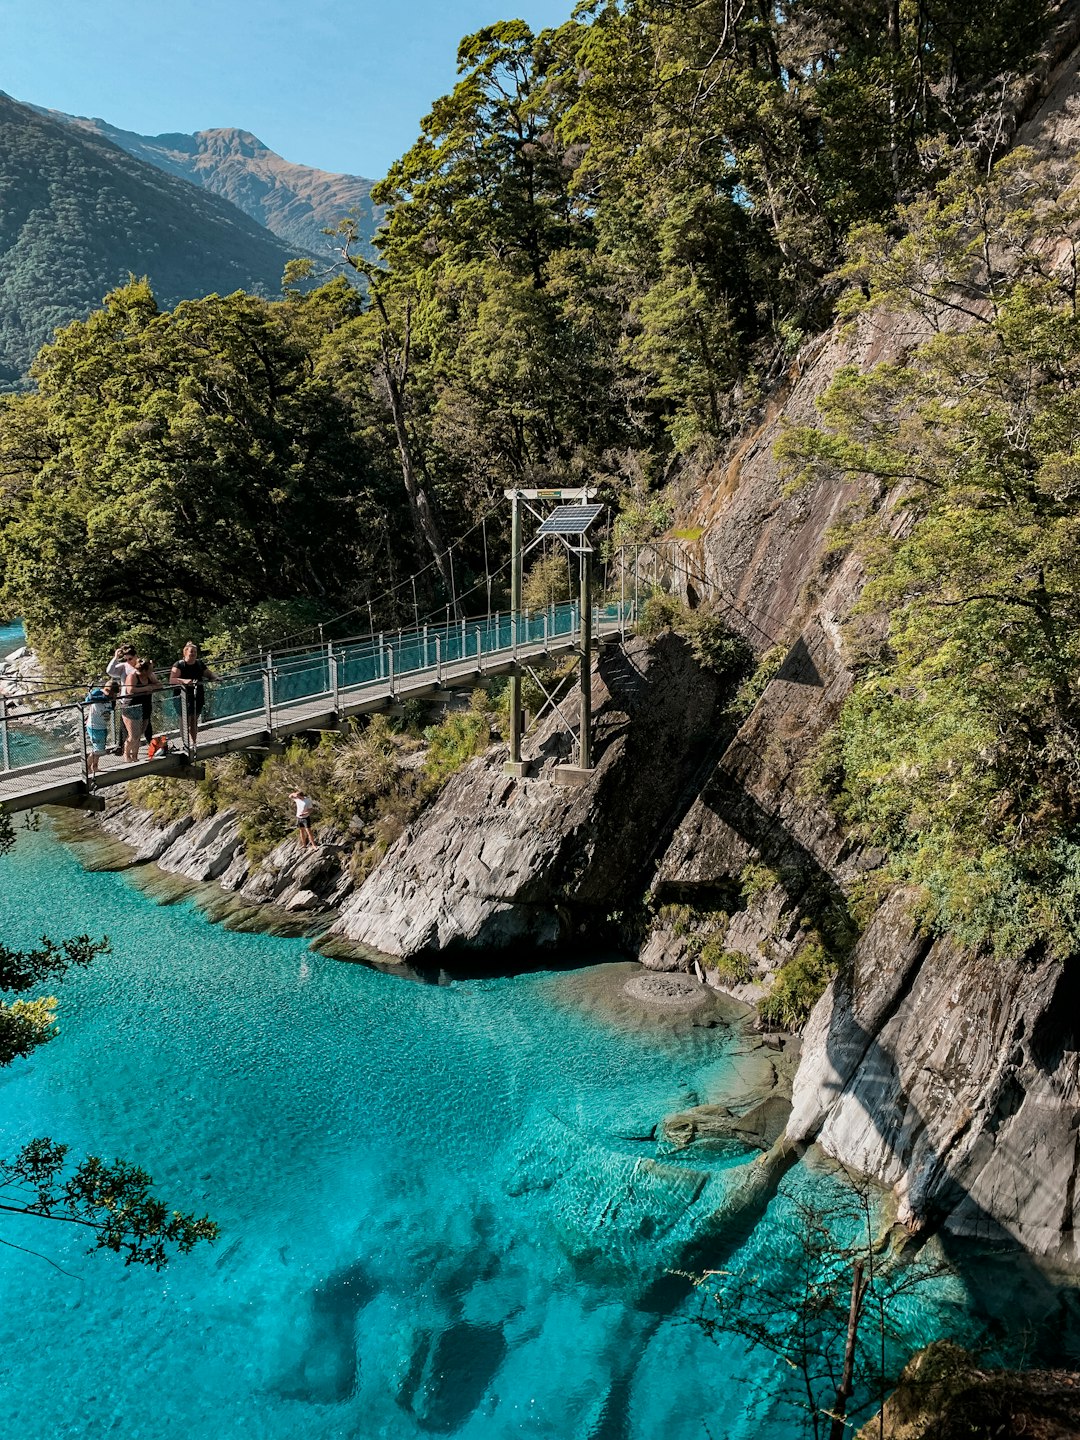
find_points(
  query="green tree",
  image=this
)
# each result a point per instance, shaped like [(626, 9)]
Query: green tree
[(957, 750), (174, 470)]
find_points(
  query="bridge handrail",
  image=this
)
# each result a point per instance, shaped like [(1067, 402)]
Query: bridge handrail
[(35, 740)]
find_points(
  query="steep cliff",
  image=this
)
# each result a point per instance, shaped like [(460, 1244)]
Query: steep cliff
[(503, 862), (948, 1075)]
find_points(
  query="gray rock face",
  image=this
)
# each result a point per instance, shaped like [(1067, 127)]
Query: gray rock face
[(501, 862), (202, 851), (954, 1079)]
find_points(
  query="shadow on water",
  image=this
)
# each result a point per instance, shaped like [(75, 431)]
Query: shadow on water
[(450, 1373), (325, 1371)]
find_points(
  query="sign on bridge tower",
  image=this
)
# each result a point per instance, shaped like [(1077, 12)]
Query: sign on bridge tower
[(568, 520)]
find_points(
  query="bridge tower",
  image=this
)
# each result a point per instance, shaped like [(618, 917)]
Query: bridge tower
[(569, 522)]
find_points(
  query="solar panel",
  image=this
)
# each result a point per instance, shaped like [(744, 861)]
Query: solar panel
[(570, 520)]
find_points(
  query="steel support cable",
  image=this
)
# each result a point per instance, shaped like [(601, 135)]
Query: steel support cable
[(388, 594)]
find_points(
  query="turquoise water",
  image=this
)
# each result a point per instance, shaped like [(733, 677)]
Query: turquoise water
[(435, 1216)]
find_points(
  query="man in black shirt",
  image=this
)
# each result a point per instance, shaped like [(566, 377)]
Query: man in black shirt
[(187, 676)]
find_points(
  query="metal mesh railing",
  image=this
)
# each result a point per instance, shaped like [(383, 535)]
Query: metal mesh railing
[(257, 695)]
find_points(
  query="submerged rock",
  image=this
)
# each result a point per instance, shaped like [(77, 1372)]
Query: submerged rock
[(761, 1125), (325, 1372), (450, 1373)]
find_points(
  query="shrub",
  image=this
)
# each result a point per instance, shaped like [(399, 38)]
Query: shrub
[(732, 967), (798, 986), (165, 799), (453, 743), (714, 645), (547, 583), (756, 880), (659, 613), (753, 687)]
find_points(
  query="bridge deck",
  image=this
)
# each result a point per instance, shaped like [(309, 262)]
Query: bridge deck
[(62, 781)]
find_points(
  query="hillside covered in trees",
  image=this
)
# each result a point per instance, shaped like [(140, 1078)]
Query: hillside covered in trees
[(78, 216), (295, 202)]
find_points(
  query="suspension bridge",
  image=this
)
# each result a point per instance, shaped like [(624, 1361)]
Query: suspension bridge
[(261, 703), (258, 703)]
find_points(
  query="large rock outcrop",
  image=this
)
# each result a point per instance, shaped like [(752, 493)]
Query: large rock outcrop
[(302, 883), (501, 861)]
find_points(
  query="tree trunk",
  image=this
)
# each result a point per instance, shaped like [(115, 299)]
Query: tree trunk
[(424, 521), (839, 1410), (395, 373), (892, 30)]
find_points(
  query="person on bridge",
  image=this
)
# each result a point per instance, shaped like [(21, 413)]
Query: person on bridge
[(187, 676), (96, 719), (119, 668), (136, 700)]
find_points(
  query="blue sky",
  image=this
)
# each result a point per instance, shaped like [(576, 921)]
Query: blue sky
[(339, 84)]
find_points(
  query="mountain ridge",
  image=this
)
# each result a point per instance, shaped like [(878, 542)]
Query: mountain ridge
[(295, 202), (78, 215)]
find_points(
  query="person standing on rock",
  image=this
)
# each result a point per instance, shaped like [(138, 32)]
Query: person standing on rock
[(187, 676), (304, 806)]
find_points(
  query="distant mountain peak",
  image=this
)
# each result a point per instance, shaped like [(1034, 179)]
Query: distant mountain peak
[(296, 202), (78, 215)]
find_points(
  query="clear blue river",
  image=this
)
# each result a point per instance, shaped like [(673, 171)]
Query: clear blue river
[(437, 1213)]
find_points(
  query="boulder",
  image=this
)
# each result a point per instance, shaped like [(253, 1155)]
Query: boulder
[(499, 862)]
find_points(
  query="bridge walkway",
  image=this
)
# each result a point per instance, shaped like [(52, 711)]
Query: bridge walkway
[(259, 704)]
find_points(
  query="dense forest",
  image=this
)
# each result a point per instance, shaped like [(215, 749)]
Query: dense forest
[(600, 256)]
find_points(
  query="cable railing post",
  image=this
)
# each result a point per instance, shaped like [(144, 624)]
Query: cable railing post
[(464, 642), (185, 726), (382, 655), (268, 692), (545, 633), (622, 593), (334, 679), (479, 661), (82, 739), (5, 742), (438, 659), (425, 665), (390, 668)]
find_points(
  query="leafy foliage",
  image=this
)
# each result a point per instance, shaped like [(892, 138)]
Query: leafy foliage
[(957, 751), (111, 1199), (798, 986), (182, 474), (25, 1024), (714, 645)]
